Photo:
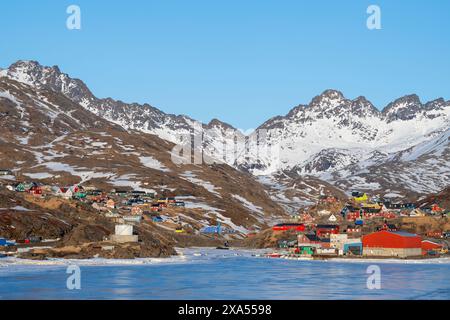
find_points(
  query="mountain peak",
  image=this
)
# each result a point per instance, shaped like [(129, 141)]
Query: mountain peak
[(331, 94), (363, 107), (329, 99), (217, 123), (436, 104), (32, 73), (404, 108)]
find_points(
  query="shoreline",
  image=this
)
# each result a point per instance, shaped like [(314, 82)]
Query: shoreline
[(188, 255)]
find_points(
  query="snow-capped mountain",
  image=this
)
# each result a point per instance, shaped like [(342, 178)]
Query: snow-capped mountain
[(333, 132), (130, 116), (347, 142)]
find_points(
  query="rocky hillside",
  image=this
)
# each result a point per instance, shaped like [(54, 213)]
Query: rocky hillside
[(442, 199), (47, 137), (73, 230)]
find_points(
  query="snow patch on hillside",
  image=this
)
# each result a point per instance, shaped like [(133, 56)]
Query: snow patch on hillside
[(153, 163), (191, 177)]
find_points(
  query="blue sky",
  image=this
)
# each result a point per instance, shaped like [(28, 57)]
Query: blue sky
[(242, 61)]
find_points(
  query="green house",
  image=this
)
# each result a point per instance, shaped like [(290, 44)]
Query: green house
[(79, 195), (22, 187), (307, 250)]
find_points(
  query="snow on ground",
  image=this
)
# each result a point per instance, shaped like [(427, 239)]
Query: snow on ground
[(361, 183), (191, 177), (8, 177), (83, 173), (227, 221), (215, 211), (392, 195), (124, 181), (278, 190), (99, 144), (14, 262), (249, 205), (20, 208), (39, 175), (199, 205), (23, 140), (186, 198), (54, 111), (9, 96), (153, 163)]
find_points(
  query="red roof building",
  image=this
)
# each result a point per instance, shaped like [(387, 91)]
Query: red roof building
[(392, 244), (289, 226), (324, 230), (428, 246)]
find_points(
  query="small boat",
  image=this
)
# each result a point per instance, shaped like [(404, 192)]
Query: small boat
[(222, 248), (273, 255)]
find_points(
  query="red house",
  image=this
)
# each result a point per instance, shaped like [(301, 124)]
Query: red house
[(324, 230), (351, 216), (353, 229), (156, 207), (289, 226), (37, 191), (428, 246), (389, 215)]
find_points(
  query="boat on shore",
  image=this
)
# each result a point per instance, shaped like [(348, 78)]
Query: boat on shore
[(274, 255)]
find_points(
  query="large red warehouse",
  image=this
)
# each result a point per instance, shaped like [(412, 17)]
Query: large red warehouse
[(392, 244)]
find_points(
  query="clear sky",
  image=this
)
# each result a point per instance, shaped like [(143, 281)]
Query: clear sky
[(242, 61)]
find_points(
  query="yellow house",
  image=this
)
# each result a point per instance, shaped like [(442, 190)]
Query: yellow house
[(372, 206), (361, 197)]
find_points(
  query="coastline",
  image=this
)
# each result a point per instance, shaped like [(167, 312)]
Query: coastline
[(196, 254)]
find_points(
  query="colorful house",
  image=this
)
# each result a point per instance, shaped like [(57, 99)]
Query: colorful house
[(308, 240), (353, 229), (352, 216), (429, 247), (306, 250), (324, 230), (436, 209), (24, 187), (332, 218), (360, 196), (289, 226), (306, 218), (416, 213), (110, 204), (135, 211), (36, 191), (155, 207), (354, 248)]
